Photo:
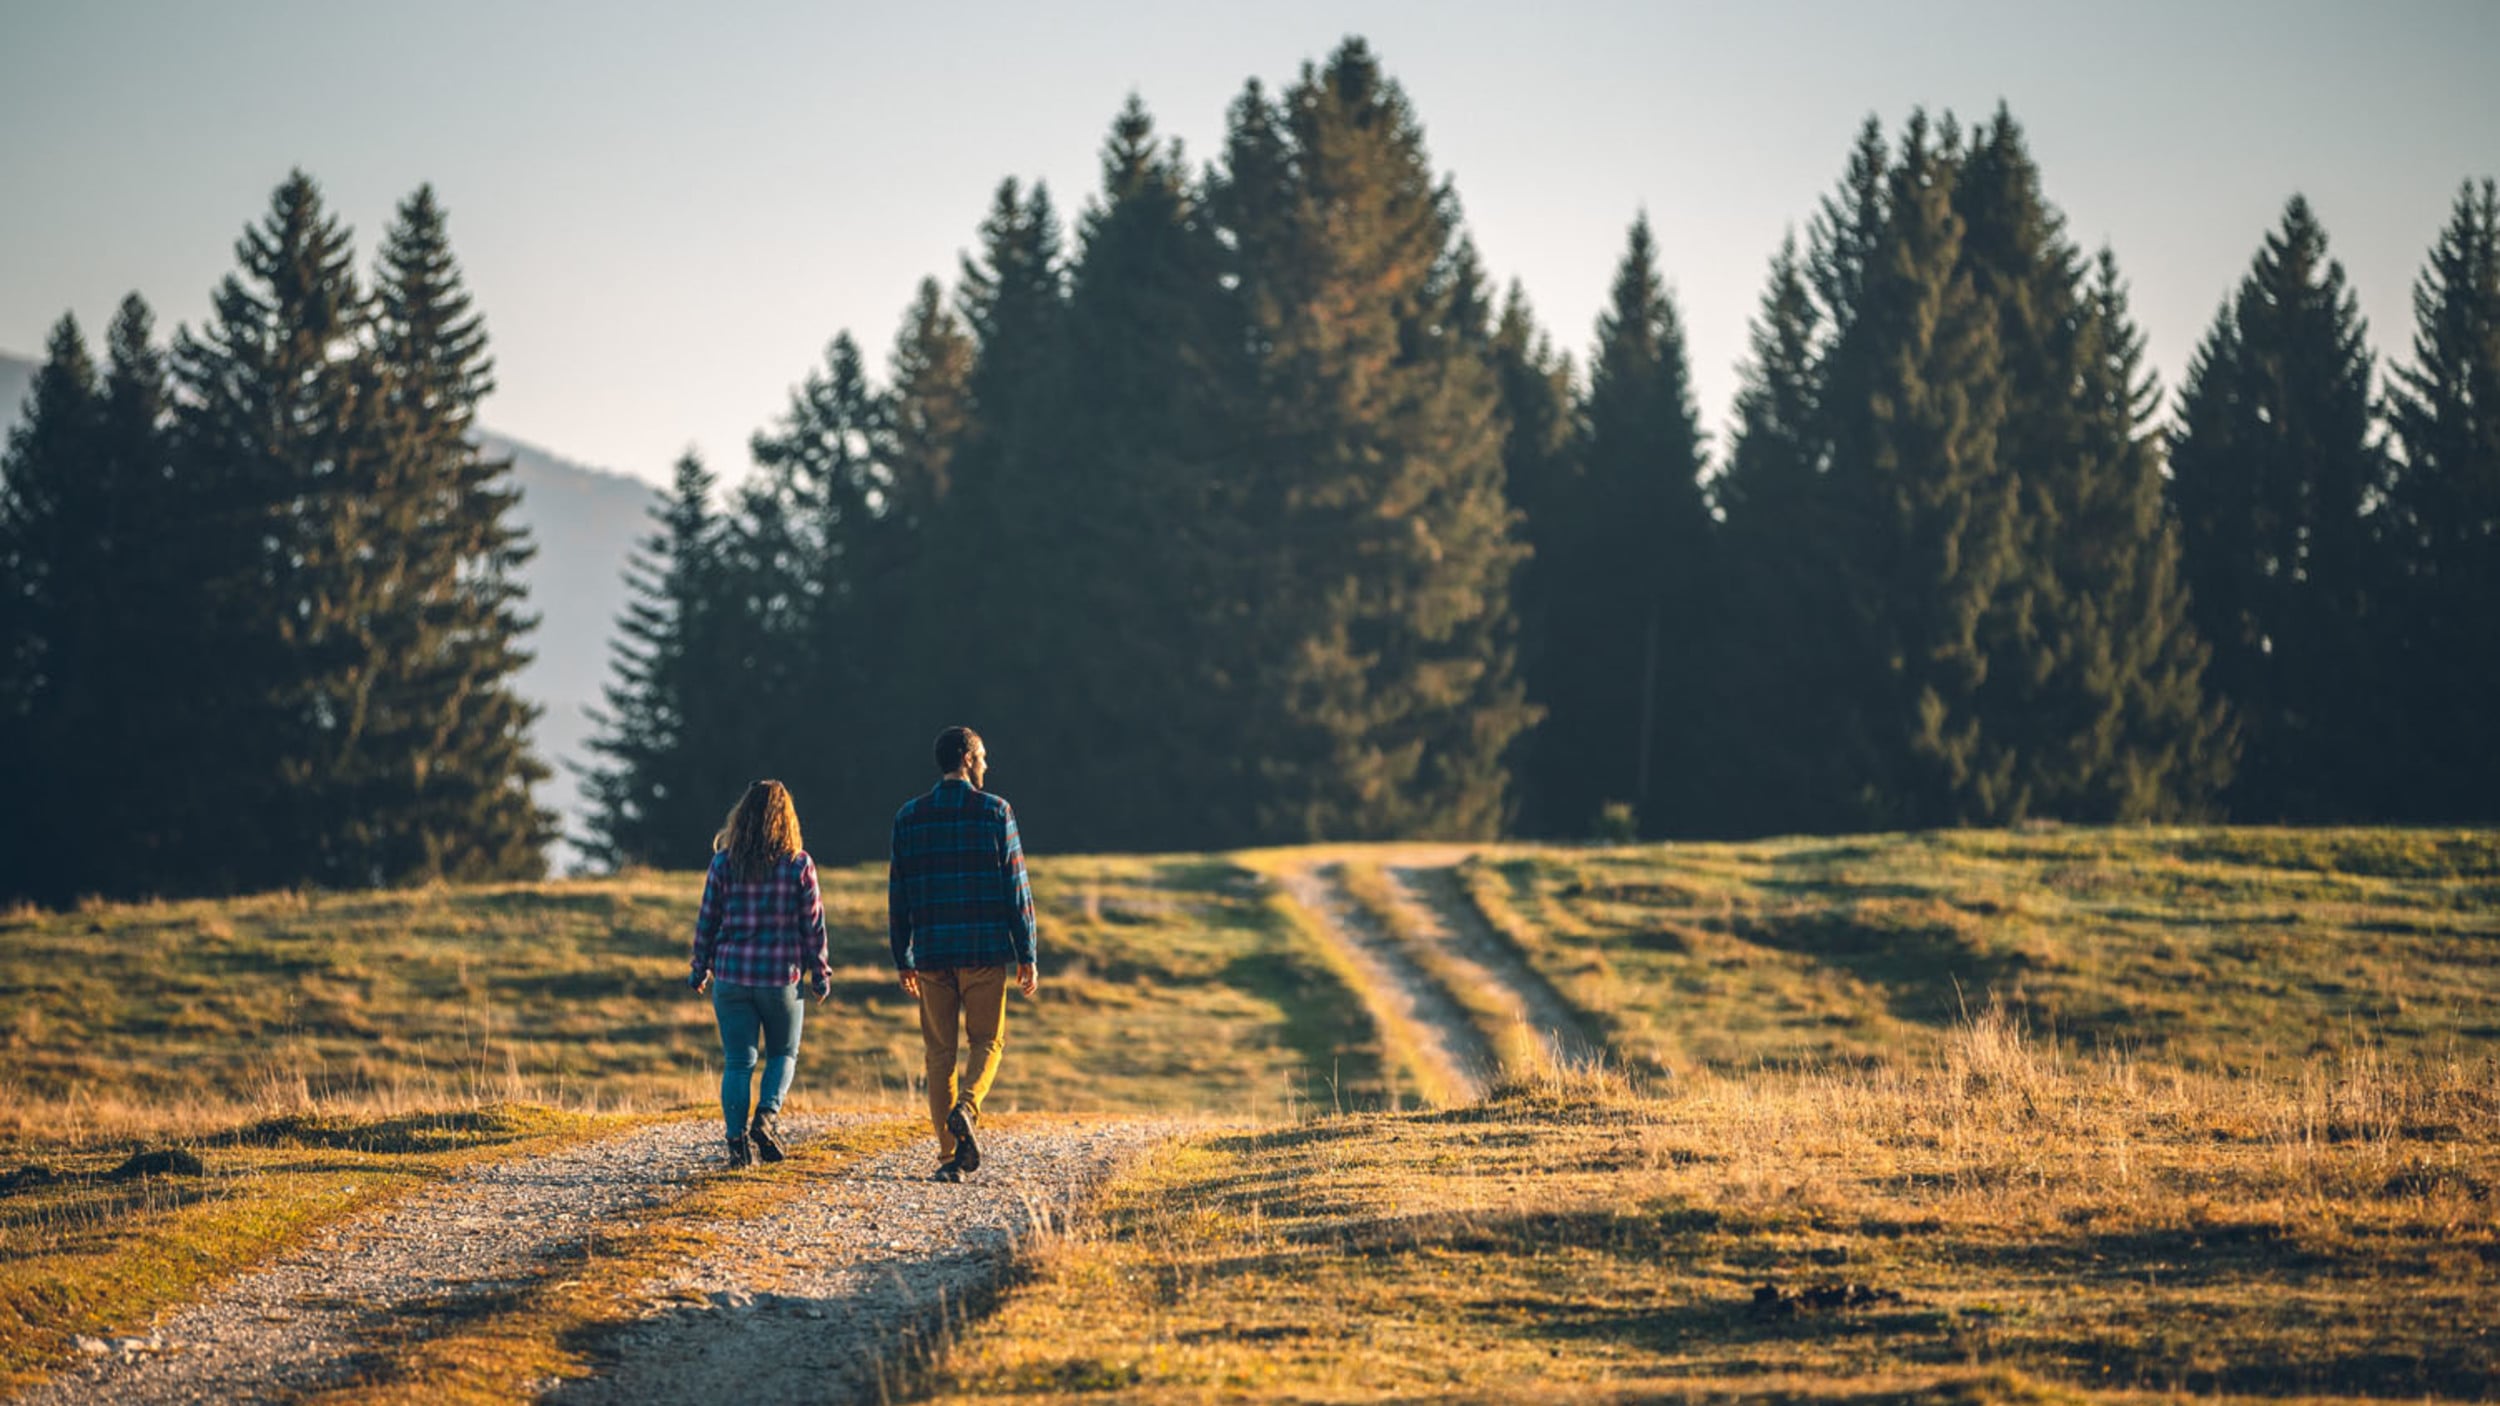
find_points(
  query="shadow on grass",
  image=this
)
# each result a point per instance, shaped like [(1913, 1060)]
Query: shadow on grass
[(1928, 969), (2252, 1282), (442, 1131)]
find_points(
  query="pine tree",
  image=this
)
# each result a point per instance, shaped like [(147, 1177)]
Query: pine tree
[(1846, 229), (1917, 397), (1155, 380), (927, 407), (908, 626), (2149, 739), (1539, 468), (2274, 466), (447, 767), (2093, 676), (991, 559), (1803, 706), (1628, 561), (657, 793), (51, 512), (1386, 546), (276, 451), (1786, 632), (809, 536), (2444, 524), (136, 638)]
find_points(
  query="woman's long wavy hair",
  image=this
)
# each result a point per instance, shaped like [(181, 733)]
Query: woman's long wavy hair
[(762, 830)]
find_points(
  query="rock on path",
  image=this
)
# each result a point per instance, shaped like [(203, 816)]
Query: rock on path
[(815, 1300), (311, 1319)]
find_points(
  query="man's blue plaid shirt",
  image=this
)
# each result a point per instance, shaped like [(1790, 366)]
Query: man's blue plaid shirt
[(956, 894)]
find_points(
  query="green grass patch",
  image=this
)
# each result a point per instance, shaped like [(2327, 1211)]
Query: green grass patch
[(2211, 949)]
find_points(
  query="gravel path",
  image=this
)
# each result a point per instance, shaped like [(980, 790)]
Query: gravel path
[(815, 1301), (794, 1305), (1431, 895), (1398, 989), (311, 1320)]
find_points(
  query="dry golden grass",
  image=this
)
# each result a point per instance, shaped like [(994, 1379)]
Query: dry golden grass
[(2051, 1227)]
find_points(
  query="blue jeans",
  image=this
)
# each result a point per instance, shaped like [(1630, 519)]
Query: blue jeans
[(745, 1012)]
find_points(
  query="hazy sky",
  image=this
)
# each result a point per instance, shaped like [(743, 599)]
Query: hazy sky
[(667, 210)]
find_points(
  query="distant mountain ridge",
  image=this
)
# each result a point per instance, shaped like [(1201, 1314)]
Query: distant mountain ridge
[(585, 522)]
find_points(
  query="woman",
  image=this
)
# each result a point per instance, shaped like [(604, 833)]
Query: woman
[(761, 925)]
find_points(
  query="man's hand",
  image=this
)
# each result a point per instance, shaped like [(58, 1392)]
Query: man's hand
[(700, 983), (911, 984), (1027, 977)]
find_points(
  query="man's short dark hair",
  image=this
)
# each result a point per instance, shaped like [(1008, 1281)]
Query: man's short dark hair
[(955, 744)]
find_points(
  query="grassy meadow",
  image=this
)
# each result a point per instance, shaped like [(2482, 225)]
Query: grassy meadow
[(2081, 1113), (1171, 983), (2206, 949)]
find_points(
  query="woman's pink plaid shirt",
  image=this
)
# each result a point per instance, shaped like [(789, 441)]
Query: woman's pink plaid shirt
[(762, 932)]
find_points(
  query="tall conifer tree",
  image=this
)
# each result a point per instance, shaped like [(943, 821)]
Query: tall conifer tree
[(813, 523), (1623, 615), (991, 553), (1928, 508), (2093, 674), (1155, 386), (2444, 524), (2274, 466), (657, 791), (275, 452), (1387, 544), (907, 613), (1539, 468), (52, 512), (131, 737), (447, 761), (1785, 634)]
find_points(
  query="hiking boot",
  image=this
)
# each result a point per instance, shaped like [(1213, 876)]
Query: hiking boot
[(766, 1134), (967, 1152), (947, 1171), (740, 1155)]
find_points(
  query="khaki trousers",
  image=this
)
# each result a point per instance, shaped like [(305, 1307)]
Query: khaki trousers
[(978, 997)]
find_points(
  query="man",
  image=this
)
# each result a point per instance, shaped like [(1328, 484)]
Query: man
[(959, 912)]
